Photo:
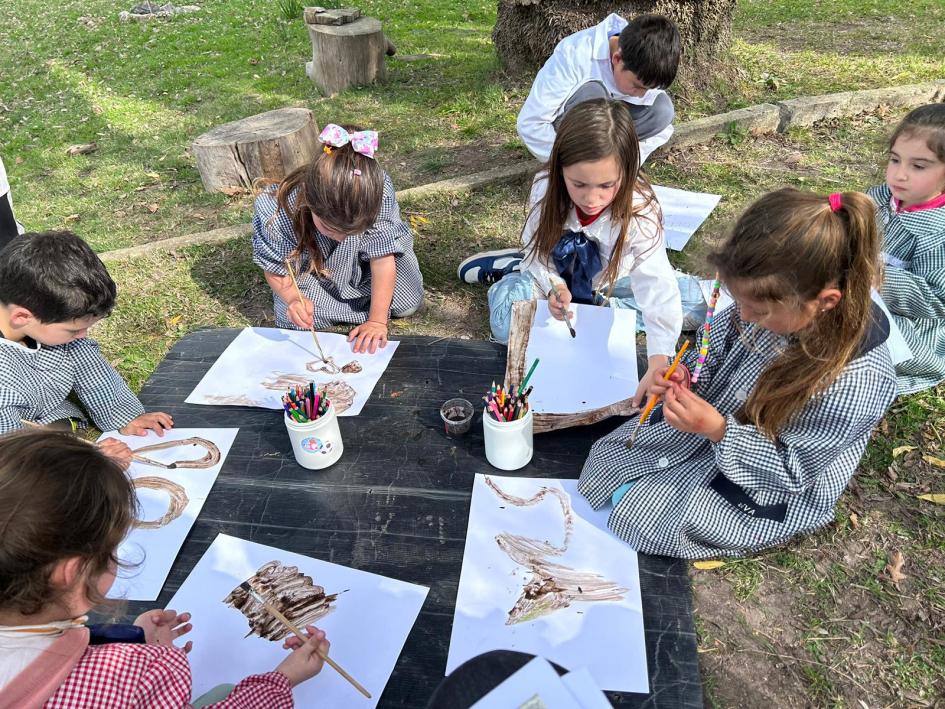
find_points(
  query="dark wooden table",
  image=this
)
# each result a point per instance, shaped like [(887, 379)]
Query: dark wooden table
[(397, 502)]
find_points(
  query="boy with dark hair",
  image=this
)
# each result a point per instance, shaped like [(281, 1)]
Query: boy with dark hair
[(53, 288), (633, 62)]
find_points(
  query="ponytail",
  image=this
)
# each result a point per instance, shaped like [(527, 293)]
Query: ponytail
[(787, 247)]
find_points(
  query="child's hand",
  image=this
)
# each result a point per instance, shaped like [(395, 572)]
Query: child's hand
[(653, 383), (687, 412), (370, 334), (116, 450), (164, 627), (301, 312), (157, 422), (304, 662), (559, 298)]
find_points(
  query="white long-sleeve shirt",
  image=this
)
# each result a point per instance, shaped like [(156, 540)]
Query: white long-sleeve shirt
[(579, 58), (643, 259)]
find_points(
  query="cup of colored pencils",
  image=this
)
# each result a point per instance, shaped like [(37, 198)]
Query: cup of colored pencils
[(312, 423), (507, 427)]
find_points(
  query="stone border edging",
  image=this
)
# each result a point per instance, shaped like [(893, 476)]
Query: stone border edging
[(759, 119)]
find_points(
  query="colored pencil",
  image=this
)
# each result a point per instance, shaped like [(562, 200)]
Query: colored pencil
[(288, 265), (653, 399), (531, 371)]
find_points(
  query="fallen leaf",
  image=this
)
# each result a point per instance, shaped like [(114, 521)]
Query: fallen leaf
[(71, 218), (152, 175), (894, 567), (152, 208), (902, 449), (82, 149), (172, 322), (937, 498), (234, 190), (708, 565), (854, 520), (19, 160), (937, 462)]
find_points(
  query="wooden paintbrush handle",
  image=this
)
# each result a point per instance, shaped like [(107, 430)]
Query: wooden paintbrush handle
[(334, 665)]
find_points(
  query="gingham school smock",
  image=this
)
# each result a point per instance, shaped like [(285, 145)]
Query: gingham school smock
[(34, 384), (914, 286), (693, 498), (343, 291)]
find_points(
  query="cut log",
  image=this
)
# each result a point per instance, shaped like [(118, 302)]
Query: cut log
[(269, 145), (523, 315), (346, 55)]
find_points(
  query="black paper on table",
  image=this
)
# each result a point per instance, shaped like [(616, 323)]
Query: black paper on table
[(397, 503)]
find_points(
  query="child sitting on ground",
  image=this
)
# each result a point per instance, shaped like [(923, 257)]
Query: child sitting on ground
[(633, 62), (64, 509), (594, 227), (797, 376), (911, 213), (53, 288), (338, 220)]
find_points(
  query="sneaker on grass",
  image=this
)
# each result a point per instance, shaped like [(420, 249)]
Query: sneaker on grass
[(489, 266)]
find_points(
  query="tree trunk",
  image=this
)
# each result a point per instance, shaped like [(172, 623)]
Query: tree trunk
[(346, 55), (526, 31), (269, 145)]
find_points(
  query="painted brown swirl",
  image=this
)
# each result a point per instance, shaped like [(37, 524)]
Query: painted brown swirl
[(209, 459), (176, 504)]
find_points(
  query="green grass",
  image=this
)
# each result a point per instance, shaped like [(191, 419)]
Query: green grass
[(143, 91)]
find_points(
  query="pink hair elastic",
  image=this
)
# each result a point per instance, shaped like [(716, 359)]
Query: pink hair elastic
[(836, 201)]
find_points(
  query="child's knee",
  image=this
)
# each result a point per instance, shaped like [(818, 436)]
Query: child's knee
[(408, 304), (502, 296)]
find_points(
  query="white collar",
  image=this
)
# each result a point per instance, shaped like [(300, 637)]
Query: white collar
[(54, 628), (599, 229), (20, 346)]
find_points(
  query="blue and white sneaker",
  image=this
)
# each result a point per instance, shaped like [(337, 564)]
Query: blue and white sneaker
[(489, 266)]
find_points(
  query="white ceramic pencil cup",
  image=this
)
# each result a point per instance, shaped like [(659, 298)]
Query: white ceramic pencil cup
[(316, 444), (509, 444)]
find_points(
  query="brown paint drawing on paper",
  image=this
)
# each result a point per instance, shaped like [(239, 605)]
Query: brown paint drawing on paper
[(551, 586), (330, 367), (340, 393), (291, 592), (209, 459), (176, 505), (229, 400)]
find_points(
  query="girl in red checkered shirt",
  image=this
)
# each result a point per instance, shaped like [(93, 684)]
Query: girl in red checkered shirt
[(64, 509)]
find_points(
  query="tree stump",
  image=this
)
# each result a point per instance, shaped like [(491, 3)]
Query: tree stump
[(344, 55), (526, 31), (269, 145)]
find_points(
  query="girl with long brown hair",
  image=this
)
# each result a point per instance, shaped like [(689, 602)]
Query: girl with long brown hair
[(337, 220), (65, 506), (593, 235), (797, 375)]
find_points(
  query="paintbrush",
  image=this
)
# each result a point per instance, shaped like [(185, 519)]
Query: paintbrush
[(287, 623), (653, 399), (567, 316), (298, 290)]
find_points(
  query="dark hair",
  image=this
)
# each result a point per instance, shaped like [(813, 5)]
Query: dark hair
[(60, 497), (650, 47), (787, 247), (593, 130), (56, 276), (925, 121), (342, 187)]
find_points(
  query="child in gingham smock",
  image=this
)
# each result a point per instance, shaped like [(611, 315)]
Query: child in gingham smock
[(911, 212), (64, 509), (338, 220), (797, 376)]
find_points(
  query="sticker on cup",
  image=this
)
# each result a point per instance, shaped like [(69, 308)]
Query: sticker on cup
[(315, 445)]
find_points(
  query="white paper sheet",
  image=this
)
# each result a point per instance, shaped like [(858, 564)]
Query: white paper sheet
[(606, 636), (683, 213), (537, 680), (367, 627), (152, 551), (596, 368), (265, 355)]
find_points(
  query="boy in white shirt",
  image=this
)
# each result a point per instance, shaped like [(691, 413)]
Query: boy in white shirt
[(633, 62)]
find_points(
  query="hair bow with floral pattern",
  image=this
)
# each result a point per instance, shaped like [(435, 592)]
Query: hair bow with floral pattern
[(362, 141)]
